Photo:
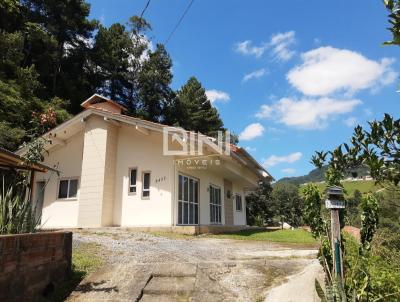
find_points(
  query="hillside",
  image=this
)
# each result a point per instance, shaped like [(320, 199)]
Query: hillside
[(318, 175), (364, 186)]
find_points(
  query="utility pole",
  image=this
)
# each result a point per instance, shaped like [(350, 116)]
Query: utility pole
[(335, 202)]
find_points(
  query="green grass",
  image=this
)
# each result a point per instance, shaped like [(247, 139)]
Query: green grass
[(297, 236), (85, 260), (364, 186)]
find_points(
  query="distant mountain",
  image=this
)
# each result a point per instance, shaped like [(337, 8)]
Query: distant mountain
[(317, 175)]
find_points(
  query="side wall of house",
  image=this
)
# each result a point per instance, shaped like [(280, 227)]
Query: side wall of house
[(143, 152), (207, 178), (93, 165), (109, 175), (61, 212)]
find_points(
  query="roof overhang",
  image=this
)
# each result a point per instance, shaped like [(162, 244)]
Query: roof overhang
[(237, 154), (10, 160)]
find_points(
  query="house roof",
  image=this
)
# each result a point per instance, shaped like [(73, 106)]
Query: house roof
[(238, 153), (10, 160)]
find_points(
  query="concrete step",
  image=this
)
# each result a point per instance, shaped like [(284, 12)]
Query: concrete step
[(174, 270), (170, 286), (165, 298)]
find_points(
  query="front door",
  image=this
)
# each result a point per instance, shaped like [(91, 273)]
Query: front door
[(39, 199), (228, 202), (188, 200)]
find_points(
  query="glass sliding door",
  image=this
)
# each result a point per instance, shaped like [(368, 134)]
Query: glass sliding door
[(215, 205), (188, 200)]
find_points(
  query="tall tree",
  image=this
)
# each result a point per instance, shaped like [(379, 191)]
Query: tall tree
[(111, 52), (258, 205), (195, 111), (67, 25), (155, 94), (287, 204)]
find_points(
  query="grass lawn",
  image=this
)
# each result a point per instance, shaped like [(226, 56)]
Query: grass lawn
[(282, 236), (85, 260), (364, 186), (297, 236)]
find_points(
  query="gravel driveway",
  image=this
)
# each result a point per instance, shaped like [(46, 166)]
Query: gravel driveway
[(145, 267)]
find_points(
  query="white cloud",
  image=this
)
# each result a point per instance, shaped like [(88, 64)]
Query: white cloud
[(265, 111), (251, 131), (274, 160), (217, 96), (328, 70), (246, 48), (351, 121), (289, 171), (254, 75), (280, 44), (307, 113)]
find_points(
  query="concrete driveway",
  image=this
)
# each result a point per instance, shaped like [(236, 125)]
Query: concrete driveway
[(144, 267)]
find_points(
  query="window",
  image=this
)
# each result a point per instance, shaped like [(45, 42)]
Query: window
[(188, 200), (215, 204), (239, 205), (132, 180), (67, 188), (146, 184)]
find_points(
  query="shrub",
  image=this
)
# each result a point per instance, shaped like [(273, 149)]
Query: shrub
[(17, 214)]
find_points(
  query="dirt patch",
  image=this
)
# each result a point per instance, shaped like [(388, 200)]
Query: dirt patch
[(223, 269)]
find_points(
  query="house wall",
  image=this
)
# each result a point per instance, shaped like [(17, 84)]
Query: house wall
[(143, 152), (93, 166), (109, 175), (205, 180), (61, 213)]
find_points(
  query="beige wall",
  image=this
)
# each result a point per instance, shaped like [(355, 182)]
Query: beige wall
[(98, 173), (105, 152), (109, 175), (205, 180), (61, 213), (143, 152)]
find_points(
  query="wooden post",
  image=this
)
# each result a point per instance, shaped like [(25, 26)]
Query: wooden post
[(335, 202), (336, 244), (31, 184)]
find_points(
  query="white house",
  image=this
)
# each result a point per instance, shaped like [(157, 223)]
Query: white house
[(115, 172)]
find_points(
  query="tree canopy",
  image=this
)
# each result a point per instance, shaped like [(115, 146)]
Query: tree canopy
[(53, 56)]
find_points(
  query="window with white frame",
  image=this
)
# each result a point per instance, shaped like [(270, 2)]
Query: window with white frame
[(67, 188), (132, 180), (146, 184), (215, 205), (239, 205), (188, 200)]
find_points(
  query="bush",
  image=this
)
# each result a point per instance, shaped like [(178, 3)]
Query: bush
[(17, 215), (373, 276)]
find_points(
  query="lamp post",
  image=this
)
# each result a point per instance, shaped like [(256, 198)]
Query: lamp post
[(335, 202)]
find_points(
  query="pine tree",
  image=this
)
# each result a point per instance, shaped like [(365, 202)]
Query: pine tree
[(195, 111)]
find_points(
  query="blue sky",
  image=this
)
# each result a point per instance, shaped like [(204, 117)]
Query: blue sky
[(290, 77)]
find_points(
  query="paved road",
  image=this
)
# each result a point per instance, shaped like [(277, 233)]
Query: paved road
[(143, 267)]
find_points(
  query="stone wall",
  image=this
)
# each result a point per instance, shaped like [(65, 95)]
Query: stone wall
[(31, 264)]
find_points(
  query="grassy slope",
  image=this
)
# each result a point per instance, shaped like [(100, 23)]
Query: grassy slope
[(297, 236), (364, 186)]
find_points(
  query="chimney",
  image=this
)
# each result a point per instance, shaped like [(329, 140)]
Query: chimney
[(100, 102)]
